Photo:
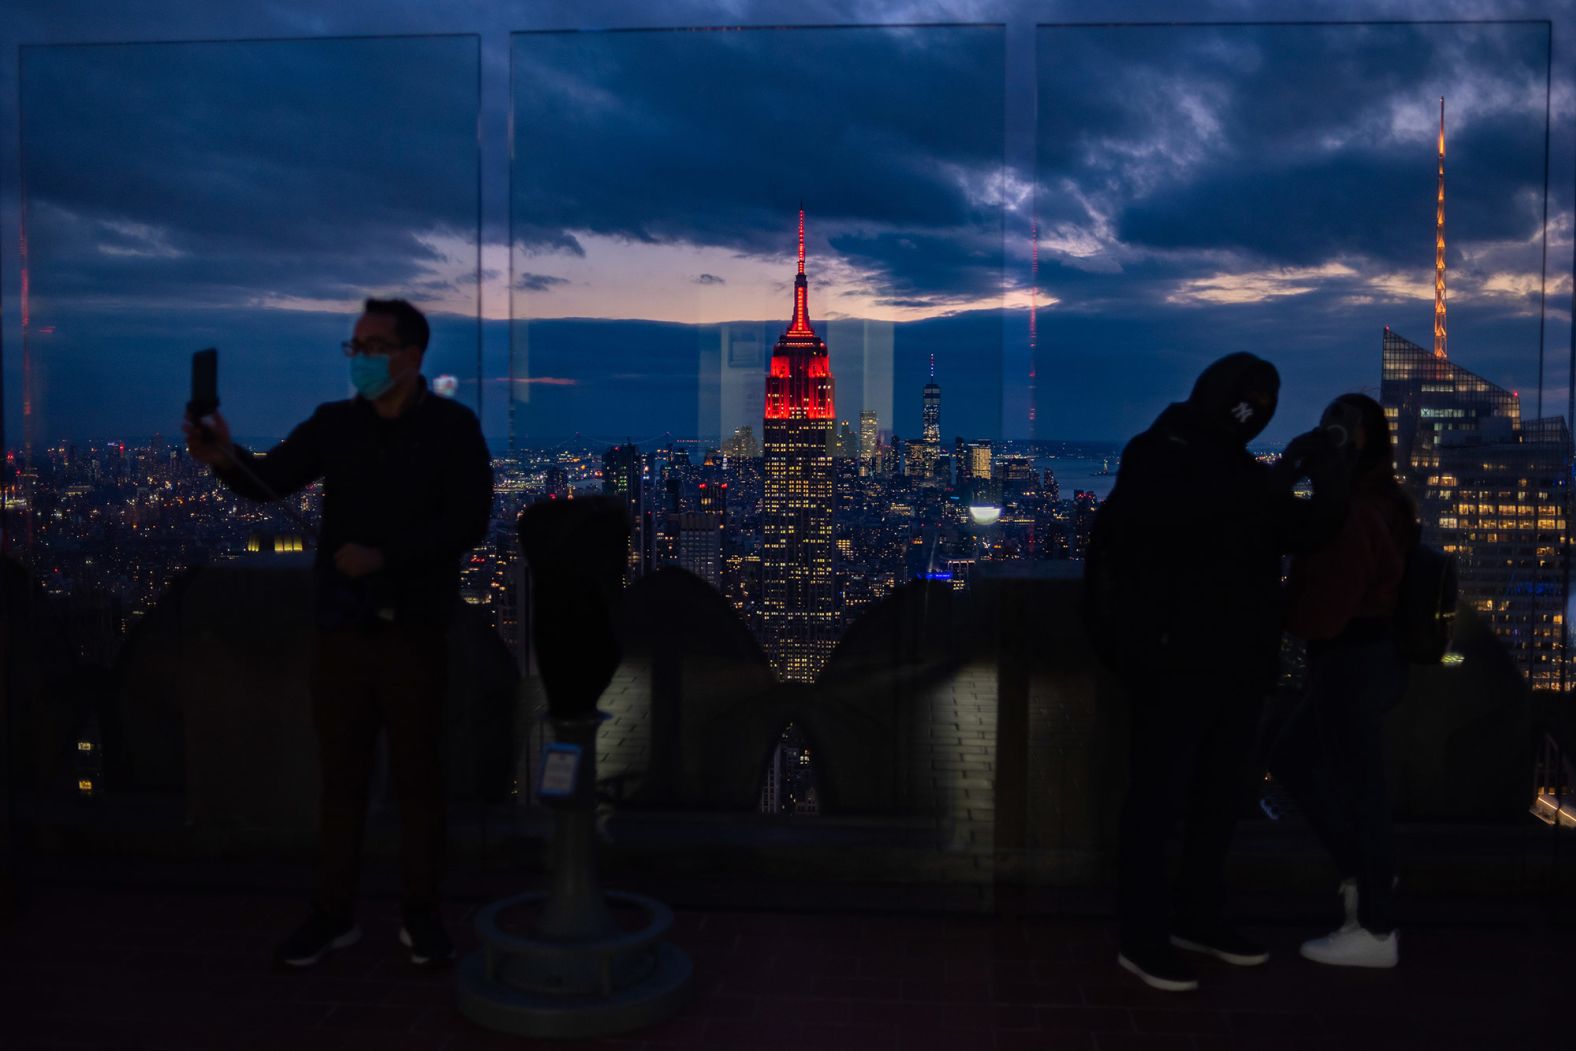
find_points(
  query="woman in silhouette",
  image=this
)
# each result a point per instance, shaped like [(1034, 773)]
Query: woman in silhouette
[(1330, 756)]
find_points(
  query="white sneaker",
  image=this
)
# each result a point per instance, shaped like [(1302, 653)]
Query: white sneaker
[(1354, 947)]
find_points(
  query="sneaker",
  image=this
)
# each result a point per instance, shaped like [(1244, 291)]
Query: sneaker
[(1159, 968), (424, 936), (320, 934), (1354, 947), (1221, 942)]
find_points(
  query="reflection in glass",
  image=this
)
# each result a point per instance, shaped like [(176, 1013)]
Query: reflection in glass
[(245, 196)]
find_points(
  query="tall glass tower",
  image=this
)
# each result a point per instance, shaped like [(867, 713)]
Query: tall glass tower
[(931, 418), (1493, 490), (928, 450)]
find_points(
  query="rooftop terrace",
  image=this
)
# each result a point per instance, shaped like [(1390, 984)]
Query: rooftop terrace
[(952, 893), (159, 957)]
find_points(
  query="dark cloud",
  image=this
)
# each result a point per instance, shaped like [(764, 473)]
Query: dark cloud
[(538, 282), (1284, 143), (182, 180), (715, 138), (927, 270), (1174, 156), (708, 279), (531, 237), (196, 172), (1378, 204)]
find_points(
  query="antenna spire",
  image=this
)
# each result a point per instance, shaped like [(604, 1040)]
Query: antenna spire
[(1439, 244), (801, 237), (801, 292), (933, 365)]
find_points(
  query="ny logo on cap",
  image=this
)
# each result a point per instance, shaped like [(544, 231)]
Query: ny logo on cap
[(1243, 412)]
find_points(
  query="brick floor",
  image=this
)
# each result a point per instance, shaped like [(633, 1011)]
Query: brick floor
[(148, 970)]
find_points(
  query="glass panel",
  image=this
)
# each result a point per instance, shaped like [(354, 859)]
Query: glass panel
[(1195, 197), (244, 196), (758, 291)]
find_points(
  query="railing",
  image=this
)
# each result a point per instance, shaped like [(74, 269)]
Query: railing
[(1554, 782), (963, 738)]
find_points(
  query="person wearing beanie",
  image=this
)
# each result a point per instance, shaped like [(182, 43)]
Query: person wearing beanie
[(1196, 530)]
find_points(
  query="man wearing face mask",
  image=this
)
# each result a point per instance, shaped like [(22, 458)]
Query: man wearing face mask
[(407, 490), (1203, 526)]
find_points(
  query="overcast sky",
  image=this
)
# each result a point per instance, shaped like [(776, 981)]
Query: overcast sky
[(1197, 190)]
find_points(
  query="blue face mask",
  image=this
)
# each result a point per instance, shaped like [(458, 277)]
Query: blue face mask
[(370, 375)]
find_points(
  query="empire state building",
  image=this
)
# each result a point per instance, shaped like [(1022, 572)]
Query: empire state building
[(798, 588)]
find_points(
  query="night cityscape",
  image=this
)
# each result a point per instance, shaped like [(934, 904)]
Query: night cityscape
[(849, 316), (111, 524)]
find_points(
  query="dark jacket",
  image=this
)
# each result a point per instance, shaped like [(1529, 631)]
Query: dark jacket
[(417, 487), (1205, 527), (1356, 577)]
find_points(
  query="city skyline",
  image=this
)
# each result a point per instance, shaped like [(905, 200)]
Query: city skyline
[(849, 662)]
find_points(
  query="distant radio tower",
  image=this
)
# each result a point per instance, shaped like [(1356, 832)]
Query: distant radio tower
[(1439, 244)]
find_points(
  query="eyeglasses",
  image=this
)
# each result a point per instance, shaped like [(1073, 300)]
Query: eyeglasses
[(376, 348)]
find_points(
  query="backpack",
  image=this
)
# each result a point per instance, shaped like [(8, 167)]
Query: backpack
[(1425, 612), (1118, 605)]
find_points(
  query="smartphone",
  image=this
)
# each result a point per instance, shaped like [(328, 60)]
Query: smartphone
[(205, 384)]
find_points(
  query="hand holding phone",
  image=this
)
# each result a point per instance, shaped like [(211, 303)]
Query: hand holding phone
[(209, 440), (207, 433)]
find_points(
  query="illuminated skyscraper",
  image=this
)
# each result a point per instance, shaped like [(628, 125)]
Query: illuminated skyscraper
[(931, 431), (972, 462), (698, 544), (1491, 489), (1426, 397), (1085, 504), (741, 446), (926, 464), (799, 616), (869, 444), (623, 473)]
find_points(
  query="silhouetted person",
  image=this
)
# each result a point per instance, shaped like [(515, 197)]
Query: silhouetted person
[(1330, 755), (1196, 532), (407, 490)]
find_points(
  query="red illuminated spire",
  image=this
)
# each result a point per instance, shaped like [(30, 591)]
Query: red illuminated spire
[(801, 290)]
